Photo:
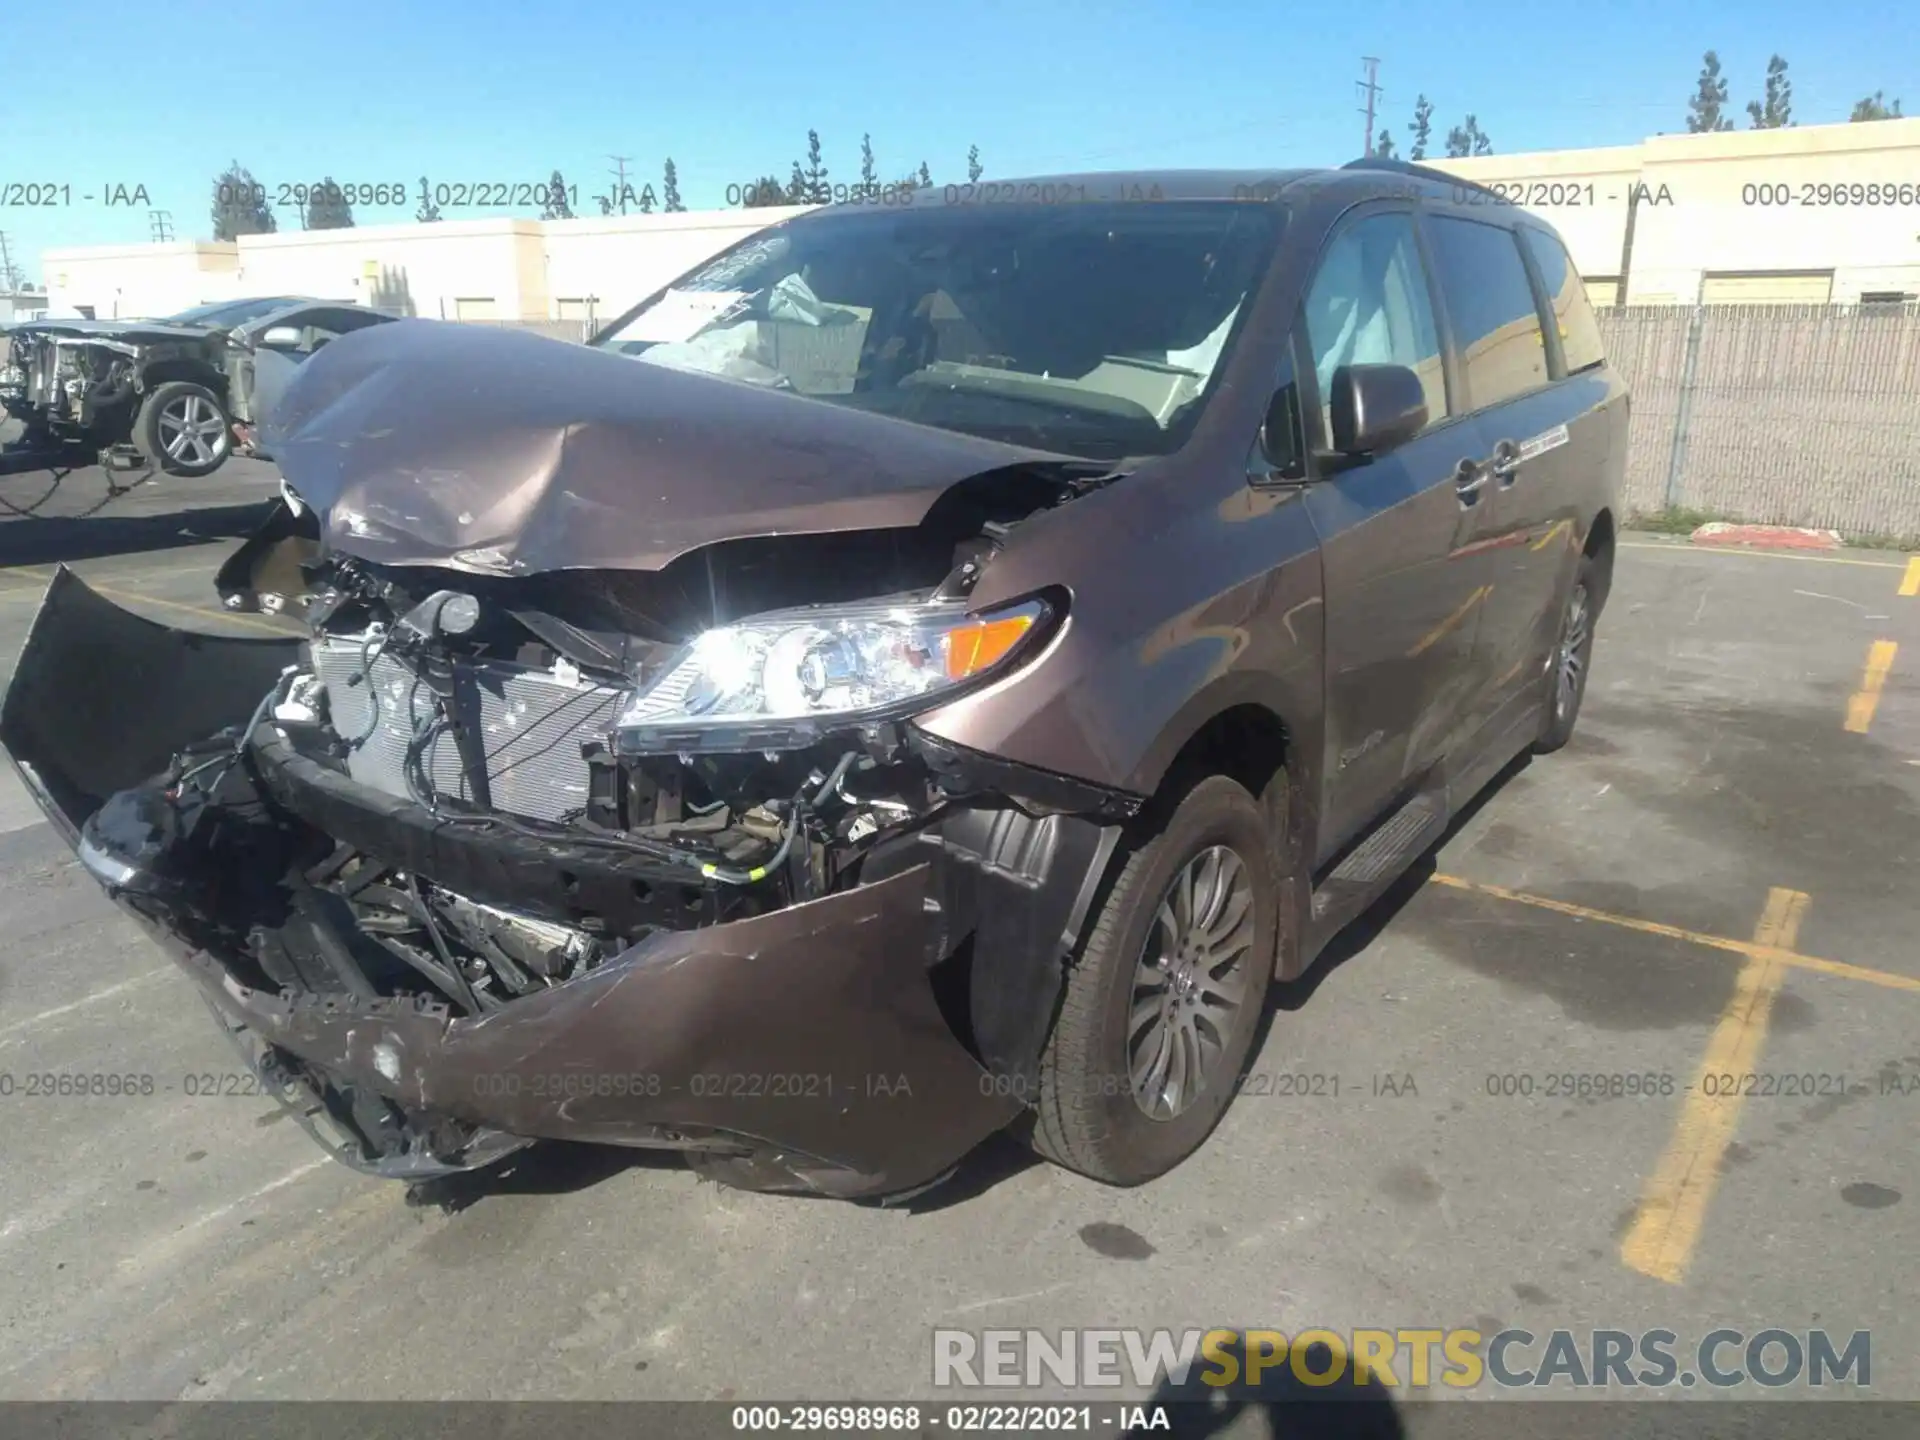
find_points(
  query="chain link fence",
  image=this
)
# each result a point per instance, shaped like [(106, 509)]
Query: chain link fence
[(1774, 414)]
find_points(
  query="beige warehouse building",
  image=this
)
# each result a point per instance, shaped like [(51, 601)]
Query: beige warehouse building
[(1815, 213)]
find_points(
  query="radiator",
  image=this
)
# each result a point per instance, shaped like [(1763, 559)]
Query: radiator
[(531, 725)]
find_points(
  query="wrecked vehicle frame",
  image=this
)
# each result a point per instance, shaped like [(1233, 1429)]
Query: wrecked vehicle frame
[(181, 393)]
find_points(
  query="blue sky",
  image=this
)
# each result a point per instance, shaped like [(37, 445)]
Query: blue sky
[(164, 93)]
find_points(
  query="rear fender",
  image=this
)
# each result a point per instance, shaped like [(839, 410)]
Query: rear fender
[(102, 699)]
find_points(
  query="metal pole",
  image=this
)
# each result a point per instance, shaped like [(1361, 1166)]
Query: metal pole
[(1626, 249), (1683, 412), (1369, 85)]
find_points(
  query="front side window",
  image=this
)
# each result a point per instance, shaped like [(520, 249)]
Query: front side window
[(1579, 331), (1368, 305), (1087, 329), (1489, 299)]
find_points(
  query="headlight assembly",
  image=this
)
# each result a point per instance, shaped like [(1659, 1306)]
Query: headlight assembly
[(781, 680)]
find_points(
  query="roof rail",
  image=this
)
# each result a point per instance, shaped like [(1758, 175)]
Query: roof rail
[(1407, 167)]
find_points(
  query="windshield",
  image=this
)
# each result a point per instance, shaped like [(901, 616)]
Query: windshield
[(1093, 329), (231, 312)]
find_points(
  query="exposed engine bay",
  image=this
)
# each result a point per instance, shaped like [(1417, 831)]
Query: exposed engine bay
[(466, 802), (494, 704)]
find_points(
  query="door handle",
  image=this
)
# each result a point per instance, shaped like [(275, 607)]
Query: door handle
[(1468, 478), (1506, 461)]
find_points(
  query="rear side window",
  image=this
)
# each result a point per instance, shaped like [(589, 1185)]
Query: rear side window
[(1579, 331), (1496, 324), (1368, 305)]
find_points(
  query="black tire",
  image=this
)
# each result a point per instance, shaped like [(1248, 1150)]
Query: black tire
[(1087, 1117), (157, 428), (1563, 696)]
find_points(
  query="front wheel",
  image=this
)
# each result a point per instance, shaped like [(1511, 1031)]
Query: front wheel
[(1566, 677), (183, 428), (1162, 1004)]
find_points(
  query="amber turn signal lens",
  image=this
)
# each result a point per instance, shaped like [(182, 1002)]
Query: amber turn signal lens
[(972, 648)]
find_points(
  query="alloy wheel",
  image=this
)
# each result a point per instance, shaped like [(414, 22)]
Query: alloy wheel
[(191, 431), (1571, 665), (1190, 982)]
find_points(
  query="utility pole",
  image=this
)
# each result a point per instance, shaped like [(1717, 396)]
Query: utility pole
[(1371, 88), (620, 179), (9, 279), (162, 222)]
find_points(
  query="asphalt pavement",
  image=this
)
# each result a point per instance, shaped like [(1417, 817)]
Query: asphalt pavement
[(1715, 875)]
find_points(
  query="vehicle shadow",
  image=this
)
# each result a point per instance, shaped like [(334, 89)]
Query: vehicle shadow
[(1371, 923), (1276, 1404), (51, 539)]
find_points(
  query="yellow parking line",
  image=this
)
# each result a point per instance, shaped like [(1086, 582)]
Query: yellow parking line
[(135, 599), (1910, 582), (1752, 950), (1760, 555), (1674, 1207), (1867, 698)]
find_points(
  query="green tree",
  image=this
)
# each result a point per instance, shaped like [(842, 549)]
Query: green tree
[(1468, 139), (1777, 112), (1874, 107), (797, 186), (1383, 147), (1709, 99), (926, 175), (974, 168), (670, 200), (765, 191), (644, 203), (240, 205), (1422, 128), (814, 189), (327, 207), (428, 211), (556, 207), (869, 177)]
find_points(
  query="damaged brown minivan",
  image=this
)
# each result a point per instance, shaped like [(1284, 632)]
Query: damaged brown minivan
[(924, 672)]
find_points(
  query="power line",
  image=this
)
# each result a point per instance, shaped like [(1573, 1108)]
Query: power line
[(162, 223), (1370, 87)]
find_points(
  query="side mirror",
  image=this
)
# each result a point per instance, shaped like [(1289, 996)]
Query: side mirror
[(1374, 408), (282, 337), (1281, 443)]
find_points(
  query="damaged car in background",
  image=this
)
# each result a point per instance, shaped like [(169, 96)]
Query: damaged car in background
[(180, 393), (924, 672)]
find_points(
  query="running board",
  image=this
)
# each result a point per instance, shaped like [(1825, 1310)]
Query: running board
[(1400, 839)]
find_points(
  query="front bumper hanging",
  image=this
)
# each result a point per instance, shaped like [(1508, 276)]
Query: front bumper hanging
[(809, 1038)]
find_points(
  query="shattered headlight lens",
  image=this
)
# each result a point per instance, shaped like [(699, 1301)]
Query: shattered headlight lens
[(770, 682)]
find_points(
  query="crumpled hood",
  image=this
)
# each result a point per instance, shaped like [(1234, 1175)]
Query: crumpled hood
[(502, 452)]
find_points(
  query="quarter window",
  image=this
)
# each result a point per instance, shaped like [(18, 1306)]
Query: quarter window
[(1579, 331), (1368, 305), (1496, 325)]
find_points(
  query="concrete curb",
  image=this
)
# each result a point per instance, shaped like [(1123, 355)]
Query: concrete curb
[(1768, 537)]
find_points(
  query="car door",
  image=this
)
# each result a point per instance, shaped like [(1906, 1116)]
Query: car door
[(1509, 367), (267, 368), (1404, 570)]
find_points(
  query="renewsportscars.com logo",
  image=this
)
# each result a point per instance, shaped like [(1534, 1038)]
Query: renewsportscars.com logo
[(1415, 1358)]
